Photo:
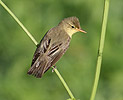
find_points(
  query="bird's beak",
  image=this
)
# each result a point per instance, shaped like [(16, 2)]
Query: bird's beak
[(80, 30)]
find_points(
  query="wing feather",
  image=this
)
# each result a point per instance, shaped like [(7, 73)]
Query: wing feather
[(48, 52)]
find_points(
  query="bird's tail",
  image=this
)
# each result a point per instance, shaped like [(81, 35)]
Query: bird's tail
[(39, 67)]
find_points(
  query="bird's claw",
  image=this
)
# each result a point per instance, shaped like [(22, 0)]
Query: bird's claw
[(53, 69)]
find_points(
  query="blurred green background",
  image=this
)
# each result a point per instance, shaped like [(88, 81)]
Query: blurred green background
[(77, 66)]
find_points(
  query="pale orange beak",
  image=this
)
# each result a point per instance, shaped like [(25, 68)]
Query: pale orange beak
[(80, 30)]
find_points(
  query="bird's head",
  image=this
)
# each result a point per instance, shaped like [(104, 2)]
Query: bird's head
[(71, 25)]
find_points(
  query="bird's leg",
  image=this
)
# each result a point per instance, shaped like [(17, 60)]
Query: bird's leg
[(53, 68)]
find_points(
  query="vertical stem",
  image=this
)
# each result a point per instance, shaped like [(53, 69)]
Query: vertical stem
[(101, 46), (35, 42)]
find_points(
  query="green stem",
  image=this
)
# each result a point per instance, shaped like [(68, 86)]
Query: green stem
[(17, 20), (101, 46), (35, 42), (64, 83)]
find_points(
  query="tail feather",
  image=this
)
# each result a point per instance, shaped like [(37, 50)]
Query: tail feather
[(38, 68)]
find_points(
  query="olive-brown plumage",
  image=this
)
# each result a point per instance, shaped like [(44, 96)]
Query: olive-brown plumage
[(53, 45)]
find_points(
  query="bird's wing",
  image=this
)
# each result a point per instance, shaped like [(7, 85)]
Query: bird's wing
[(56, 51), (40, 61), (41, 48), (47, 54)]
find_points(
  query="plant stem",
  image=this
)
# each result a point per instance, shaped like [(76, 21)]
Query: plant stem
[(101, 46), (64, 83), (17, 20), (35, 42)]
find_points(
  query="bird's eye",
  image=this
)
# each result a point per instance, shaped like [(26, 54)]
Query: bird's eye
[(72, 26)]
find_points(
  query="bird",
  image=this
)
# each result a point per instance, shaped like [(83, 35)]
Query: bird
[(53, 46)]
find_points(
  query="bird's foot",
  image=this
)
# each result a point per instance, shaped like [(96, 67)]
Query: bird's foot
[(53, 68)]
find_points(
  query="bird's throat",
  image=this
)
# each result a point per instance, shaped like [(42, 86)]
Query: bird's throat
[(70, 32)]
